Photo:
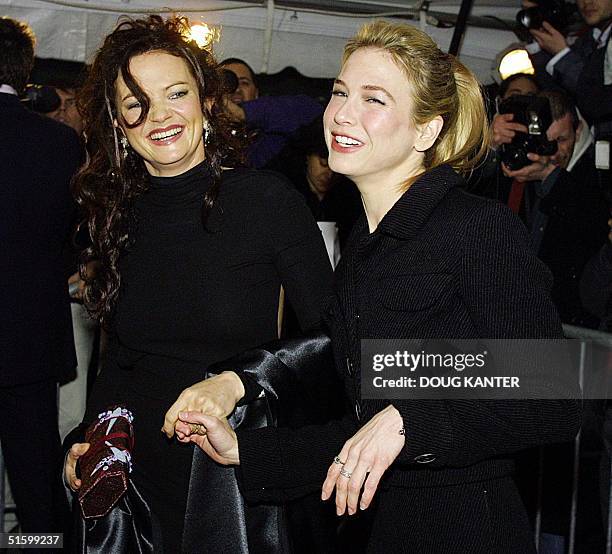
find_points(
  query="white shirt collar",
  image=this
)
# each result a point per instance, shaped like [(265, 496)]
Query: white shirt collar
[(600, 37), (8, 89)]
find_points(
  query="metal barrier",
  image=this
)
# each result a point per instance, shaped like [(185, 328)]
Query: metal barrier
[(588, 337), (3, 506)]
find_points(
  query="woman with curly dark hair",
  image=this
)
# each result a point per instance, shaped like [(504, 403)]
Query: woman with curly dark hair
[(190, 249)]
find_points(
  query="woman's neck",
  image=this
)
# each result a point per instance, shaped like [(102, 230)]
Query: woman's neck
[(379, 198), (377, 203), (381, 190)]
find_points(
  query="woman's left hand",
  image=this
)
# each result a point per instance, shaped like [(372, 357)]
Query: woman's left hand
[(364, 459), (213, 435)]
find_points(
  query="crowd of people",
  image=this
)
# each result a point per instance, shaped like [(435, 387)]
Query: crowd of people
[(195, 201)]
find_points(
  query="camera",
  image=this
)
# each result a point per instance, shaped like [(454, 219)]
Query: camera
[(534, 113), (229, 81), (556, 12), (41, 98)]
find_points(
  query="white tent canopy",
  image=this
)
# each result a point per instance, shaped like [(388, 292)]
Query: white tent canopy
[(269, 36)]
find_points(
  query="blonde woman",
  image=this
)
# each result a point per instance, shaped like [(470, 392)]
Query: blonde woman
[(427, 261)]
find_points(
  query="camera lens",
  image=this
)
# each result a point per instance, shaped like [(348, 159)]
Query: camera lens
[(531, 18), (42, 99)]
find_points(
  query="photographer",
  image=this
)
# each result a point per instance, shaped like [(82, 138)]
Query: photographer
[(581, 68), (484, 180), (503, 127), (562, 205), (272, 119)]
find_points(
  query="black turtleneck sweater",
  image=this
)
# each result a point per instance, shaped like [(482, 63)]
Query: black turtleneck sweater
[(192, 296)]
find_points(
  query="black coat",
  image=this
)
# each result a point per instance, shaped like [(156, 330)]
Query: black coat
[(38, 157), (580, 73), (441, 264)]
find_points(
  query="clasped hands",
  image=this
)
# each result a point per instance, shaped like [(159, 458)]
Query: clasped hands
[(355, 473), (200, 413)]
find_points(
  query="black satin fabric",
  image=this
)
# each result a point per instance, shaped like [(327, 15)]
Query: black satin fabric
[(300, 388), (127, 528)]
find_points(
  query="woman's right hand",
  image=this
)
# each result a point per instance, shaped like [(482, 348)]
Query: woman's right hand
[(76, 451), (216, 396)]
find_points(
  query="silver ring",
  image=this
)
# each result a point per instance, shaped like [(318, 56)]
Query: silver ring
[(345, 473), (337, 460)]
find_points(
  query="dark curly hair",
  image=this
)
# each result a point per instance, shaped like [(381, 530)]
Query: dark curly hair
[(108, 184)]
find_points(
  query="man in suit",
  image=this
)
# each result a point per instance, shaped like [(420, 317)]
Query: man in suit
[(38, 157), (581, 68)]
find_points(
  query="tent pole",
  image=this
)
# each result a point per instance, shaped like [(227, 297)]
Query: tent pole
[(462, 18)]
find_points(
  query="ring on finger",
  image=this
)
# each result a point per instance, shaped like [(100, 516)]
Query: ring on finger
[(338, 461), (345, 473), (197, 428)]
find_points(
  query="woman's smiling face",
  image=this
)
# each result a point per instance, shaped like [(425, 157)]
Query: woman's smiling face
[(368, 122), (170, 138)]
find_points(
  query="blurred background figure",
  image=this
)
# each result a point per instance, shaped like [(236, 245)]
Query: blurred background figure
[(247, 89), (271, 121), (38, 157), (73, 394), (487, 179), (555, 191), (67, 111), (331, 197), (577, 64)]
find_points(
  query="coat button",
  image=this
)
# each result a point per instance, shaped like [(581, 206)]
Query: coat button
[(425, 458), (349, 367), (358, 410)]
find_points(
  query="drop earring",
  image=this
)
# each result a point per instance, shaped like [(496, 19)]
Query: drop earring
[(124, 147), (207, 132)]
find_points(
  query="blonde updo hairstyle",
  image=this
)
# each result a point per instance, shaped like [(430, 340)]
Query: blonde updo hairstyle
[(441, 86)]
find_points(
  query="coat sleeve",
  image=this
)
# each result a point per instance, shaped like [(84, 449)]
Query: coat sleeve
[(299, 254), (289, 461), (300, 259), (282, 464), (506, 291)]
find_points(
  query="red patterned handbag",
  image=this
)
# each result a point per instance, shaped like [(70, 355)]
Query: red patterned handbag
[(106, 466)]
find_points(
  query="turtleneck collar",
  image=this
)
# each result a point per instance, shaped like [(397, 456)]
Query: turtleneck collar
[(184, 189)]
